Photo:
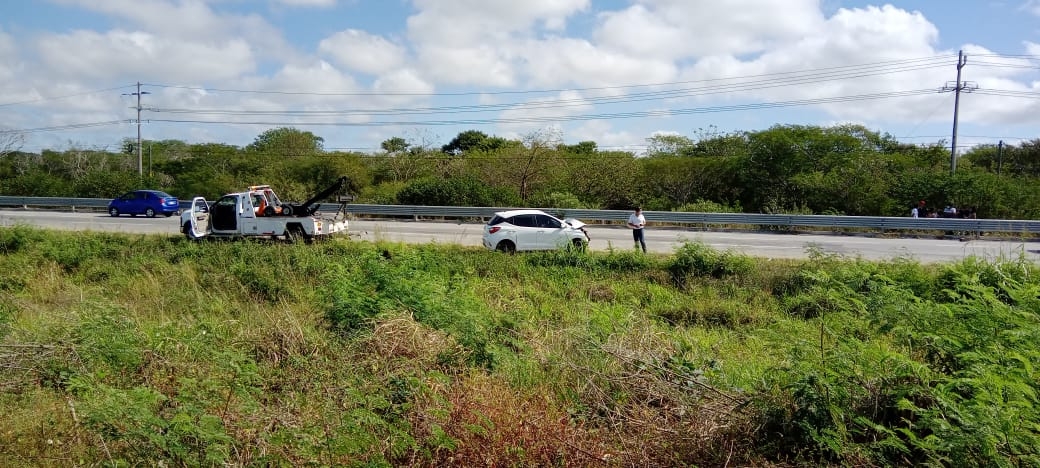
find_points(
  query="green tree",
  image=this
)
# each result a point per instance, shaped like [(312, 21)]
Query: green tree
[(286, 142), (774, 170), (526, 168), (583, 148), (460, 191), (667, 144), (465, 142), (1022, 159), (395, 145)]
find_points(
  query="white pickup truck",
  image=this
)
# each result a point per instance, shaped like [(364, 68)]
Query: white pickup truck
[(243, 214)]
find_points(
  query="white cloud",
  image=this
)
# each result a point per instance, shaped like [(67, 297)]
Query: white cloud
[(193, 21), (458, 22), (364, 52), (541, 112), (9, 60), (562, 61), (674, 29), (402, 81), (88, 54), (1032, 48), (308, 3), (473, 41), (477, 65), (606, 137), (1032, 6), (848, 38)]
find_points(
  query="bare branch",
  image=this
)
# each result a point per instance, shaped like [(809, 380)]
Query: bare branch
[(11, 141)]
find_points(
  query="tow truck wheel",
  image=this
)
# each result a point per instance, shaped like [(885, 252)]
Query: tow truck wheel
[(293, 234), (186, 229), (287, 210)]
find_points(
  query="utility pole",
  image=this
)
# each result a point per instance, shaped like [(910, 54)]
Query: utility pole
[(957, 87), (140, 160), (1000, 155)]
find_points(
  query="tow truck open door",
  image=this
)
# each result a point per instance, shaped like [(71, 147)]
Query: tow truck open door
[(199, 218)]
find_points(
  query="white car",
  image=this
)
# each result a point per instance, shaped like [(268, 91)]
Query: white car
[(510, 231)]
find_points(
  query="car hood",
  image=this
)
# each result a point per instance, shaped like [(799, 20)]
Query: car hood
[(574, 223)]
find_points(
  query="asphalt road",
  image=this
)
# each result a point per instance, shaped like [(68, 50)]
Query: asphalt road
[(661, 240)]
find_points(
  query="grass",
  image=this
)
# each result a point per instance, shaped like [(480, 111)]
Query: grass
[(129, 350)]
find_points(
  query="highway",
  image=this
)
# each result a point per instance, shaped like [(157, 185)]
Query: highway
[(604, 237)]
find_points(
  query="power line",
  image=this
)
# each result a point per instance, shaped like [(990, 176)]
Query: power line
[(549, 104), (903, 62), (581, 117), (55, 128), (55, 98)]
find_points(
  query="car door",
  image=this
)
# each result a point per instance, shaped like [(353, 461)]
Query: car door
[(526, 232), (123, 202), (137, 203), (199, 217), (551, 234), (247, 222), (554, 233)]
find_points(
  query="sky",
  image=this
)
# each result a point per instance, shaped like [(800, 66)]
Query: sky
[(358, 72)]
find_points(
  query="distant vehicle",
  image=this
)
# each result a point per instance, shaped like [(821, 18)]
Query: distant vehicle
[(146, 202), (247, 214), (520, 230)]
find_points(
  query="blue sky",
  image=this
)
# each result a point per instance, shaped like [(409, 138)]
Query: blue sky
[(357, 72)]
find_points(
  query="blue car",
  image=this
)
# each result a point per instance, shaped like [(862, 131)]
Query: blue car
[(146, 202)]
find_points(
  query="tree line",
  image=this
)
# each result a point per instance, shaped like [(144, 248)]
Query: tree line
[(842, 169)]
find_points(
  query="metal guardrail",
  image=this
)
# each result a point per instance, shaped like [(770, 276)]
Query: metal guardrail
[(880, 223)]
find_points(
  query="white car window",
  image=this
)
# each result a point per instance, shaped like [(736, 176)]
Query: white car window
[(549, 222), (523, 221)]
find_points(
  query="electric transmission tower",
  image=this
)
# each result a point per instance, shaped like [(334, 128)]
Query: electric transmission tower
[(957, 87)]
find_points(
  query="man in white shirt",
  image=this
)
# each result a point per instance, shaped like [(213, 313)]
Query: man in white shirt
[(636, 222)]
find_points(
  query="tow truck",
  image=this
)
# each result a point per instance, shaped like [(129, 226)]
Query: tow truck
[(258, 213)]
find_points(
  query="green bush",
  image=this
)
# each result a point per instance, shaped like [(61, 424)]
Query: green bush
[(561, 200), (705, 206), (698, 259), (14, 239), (382, 194), (107, 339), (459, 191), (7, 312)]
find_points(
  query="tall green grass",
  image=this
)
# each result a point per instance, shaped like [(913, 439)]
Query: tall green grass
[(140, 350)]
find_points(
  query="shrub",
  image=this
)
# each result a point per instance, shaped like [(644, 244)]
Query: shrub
[(107, 338), (705, 206), (461, 191), (698, 259), (562, 200), (13, 240), (7, 311), (382, 194)]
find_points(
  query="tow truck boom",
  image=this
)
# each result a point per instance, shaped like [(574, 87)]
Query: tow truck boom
[(308, 207)]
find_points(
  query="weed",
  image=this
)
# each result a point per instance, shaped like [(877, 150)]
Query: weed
[(698, 259), (358, 353)]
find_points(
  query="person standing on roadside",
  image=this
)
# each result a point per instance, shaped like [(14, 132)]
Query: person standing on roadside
[(636, 222)]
